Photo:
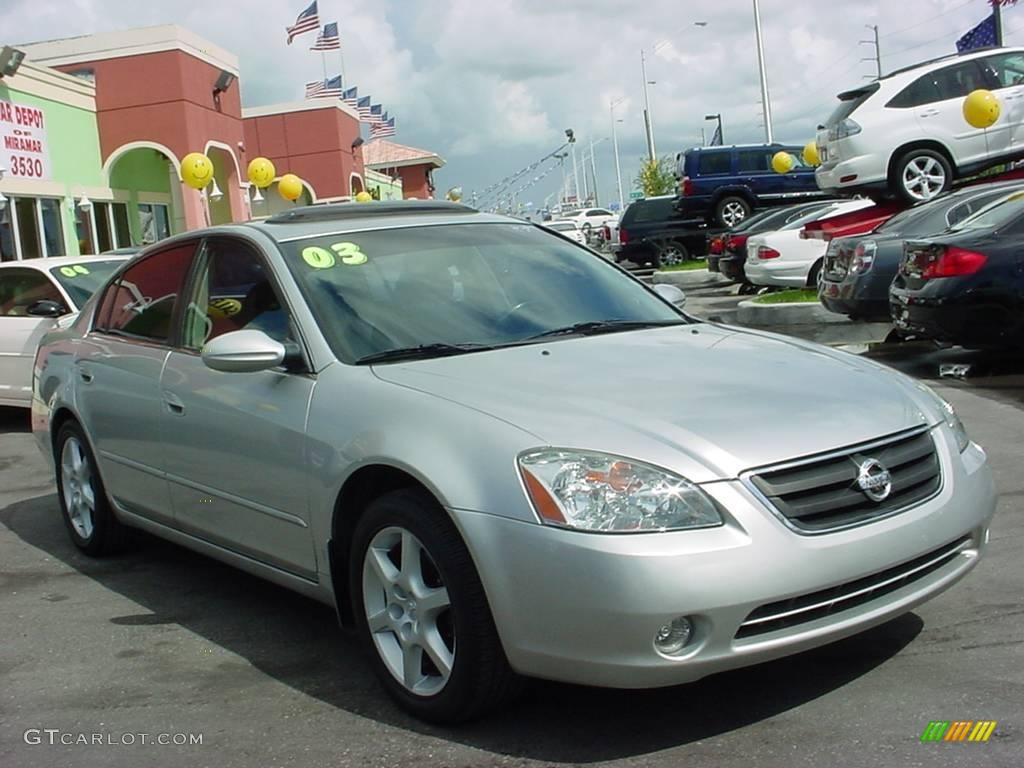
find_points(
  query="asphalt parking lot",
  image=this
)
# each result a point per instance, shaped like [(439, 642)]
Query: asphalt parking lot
[(163, 641)]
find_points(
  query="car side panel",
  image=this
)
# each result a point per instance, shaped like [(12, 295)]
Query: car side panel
[(19, 337)]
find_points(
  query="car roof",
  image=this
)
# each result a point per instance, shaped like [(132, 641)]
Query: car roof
[(756, 145), (975, 53), (61, 261), (314, 220)]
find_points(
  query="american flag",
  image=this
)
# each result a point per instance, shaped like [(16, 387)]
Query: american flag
[(307, 21), (331, 89), (315, 87), (982, 36), (382, 130), (327, 39), (363, 107), (376, 114), (351, 96)]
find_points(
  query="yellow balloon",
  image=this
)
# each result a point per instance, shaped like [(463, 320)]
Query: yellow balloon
[(196, 170), (261, 172), (811, 154), (363, 197), (290, 187), (782, 162), (981, 108)]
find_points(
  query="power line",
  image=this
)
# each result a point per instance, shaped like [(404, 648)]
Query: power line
[(928, 20)]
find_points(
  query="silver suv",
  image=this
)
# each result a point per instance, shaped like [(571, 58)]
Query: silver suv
[(906, 134), (426, 417)]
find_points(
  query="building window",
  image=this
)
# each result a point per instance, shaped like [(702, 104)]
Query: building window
[(31, 228), (122, 232), (104, 232), (84, 231), (154, 222)]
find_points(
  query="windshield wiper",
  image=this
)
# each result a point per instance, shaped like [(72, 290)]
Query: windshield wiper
[(605, 326), (422, 351)]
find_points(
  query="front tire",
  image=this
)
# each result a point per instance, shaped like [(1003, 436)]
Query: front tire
[(921, 174), (87, 513), (421, 612)]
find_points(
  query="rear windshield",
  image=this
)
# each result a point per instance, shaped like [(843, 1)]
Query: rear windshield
[(849, 101), (82, 280), (998, 214), (650, 210)]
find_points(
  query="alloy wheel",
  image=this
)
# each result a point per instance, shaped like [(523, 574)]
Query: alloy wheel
[(77, 487), (924, 177), (408, 611), (670, 255), (733, 213)]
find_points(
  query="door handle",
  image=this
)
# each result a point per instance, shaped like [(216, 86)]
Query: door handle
[(173, 403), (930, 113)]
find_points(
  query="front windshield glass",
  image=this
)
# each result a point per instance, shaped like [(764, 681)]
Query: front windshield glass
[(996, 215), (82, 280), (464, 284)]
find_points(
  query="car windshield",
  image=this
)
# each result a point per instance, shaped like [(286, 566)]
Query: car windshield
[(995, 215), (469, 285), (82, 280)]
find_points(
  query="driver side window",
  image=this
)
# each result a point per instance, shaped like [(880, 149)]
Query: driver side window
[(21, 288), (233, 291)]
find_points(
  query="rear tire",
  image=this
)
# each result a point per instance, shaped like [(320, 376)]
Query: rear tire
[(434, 645), (670, 253), (921, 174), (814, 276), (87, 512), (731, 210)]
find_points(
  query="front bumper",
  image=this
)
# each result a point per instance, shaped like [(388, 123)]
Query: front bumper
[(584, 608), (856, 297)]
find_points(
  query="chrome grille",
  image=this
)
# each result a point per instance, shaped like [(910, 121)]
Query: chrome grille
[(821, 495), (783, 614)]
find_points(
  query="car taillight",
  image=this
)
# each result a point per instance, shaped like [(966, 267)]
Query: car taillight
[(842, 129), (928, 262), (764, 252), (736, 243), (863, 257), (716, 246), (686, 186), (623, 236), (606, 232)]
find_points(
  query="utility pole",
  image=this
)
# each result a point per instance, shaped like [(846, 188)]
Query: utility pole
[(575, 173), (764, 77), (648, 127), (877, 58), (615, 144), (593, 172)]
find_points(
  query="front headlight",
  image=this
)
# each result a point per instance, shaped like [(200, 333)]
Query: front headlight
[(598, 492), (948, 414)]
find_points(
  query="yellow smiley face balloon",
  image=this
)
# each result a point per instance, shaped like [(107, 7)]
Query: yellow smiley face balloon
[(261, 172), (981, 108), (363, 197), (290, 187), (196, 170)]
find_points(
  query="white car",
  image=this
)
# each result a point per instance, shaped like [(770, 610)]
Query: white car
[(783, 258), (906, 134), (34, 295), (568, 228), (590, 218)]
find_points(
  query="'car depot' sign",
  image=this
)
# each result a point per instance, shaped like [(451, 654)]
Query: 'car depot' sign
[(23, 150)]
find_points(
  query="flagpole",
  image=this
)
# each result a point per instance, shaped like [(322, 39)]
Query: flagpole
[(341, 55), (323, 60)]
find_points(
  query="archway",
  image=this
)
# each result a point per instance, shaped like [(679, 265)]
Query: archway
[(148, 205), (229, 206), (273, 202), (356, 184)]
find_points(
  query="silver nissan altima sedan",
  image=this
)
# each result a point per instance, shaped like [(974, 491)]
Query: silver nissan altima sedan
[(498, 455)]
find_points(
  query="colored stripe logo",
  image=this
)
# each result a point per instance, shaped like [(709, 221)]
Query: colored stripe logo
[(958, 730)]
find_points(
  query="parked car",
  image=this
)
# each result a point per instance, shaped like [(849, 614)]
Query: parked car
[(966, 285), (905, 134), (424, 416), (568, 228), (734, 245), (724, 185), (859, 269), (34, 294), (784, 258), (652, 231), (590, 218)]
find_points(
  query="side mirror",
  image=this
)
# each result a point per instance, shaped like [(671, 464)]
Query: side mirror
[(243, 352), (673, 294), (46, 308)]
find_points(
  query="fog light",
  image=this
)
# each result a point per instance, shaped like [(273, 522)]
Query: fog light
[(673, 637)]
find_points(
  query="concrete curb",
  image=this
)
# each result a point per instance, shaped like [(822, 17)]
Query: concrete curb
[(694, 278), (805, 313)]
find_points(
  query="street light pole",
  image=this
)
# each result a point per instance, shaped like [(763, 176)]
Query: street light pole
[(764, 78), (647, 109), (615, 144)]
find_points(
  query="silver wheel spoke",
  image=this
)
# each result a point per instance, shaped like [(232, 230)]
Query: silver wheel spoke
[(433, 602), (411, 572), (412, 662), (382, 566), (379, 622), (438, 652)]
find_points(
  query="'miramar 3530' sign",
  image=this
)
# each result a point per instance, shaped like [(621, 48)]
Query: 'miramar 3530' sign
[(23, 141)]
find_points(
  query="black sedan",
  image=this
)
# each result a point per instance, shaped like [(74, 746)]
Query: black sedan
[(859, 269), (966, 286)]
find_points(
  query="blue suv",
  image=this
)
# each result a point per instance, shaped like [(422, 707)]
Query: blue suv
[(723, 185)]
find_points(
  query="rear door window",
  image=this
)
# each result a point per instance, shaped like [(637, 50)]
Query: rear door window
[(714, 163), (1006, 69), (653, 210), (753, 161)]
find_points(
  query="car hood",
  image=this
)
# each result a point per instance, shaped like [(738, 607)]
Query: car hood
[(706, 400)]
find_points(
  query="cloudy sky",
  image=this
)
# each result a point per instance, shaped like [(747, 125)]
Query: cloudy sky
[(491, 84)]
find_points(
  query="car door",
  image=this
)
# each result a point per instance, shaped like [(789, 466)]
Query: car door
[(1005, 72), (754, 170), (235, 443), (20, 332), (942, 116), (117, 377)]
